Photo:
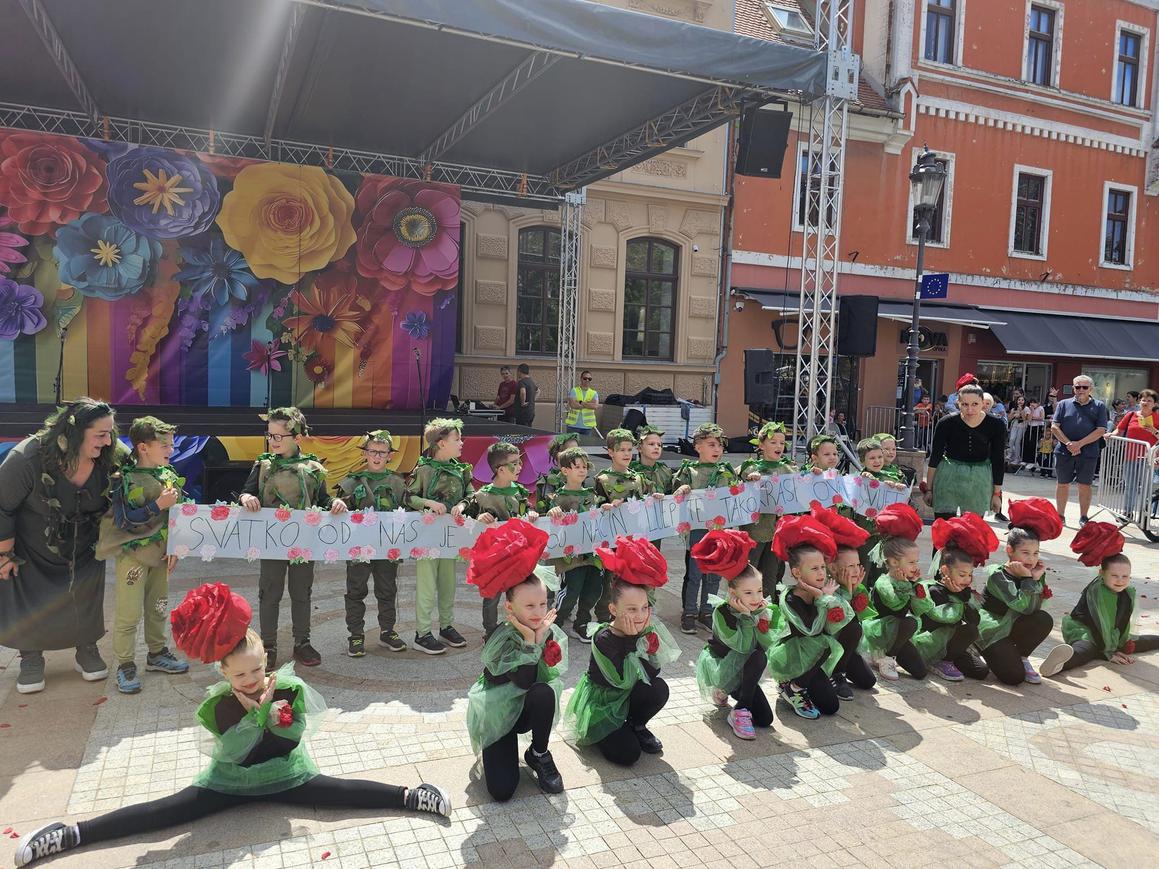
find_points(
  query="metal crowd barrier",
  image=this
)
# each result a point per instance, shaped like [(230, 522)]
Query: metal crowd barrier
[(1127, 483), (881, 418)]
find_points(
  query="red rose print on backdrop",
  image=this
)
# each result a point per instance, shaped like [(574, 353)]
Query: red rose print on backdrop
[(48, 181)]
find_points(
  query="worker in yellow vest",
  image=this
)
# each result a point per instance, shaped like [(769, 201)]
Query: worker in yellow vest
[(582, 404)]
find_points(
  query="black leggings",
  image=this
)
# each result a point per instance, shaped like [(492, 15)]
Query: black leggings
[(903, 648), (621, 746), (501, 758), (1085, 652), (959, 654), (1005, 656), (852, 666), (771, 568), (820, 690), (749, 695), (193, 803)]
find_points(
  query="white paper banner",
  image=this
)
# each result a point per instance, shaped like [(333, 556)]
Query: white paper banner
[(217, 531)]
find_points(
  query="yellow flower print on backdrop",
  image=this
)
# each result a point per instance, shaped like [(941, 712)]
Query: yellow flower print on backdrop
[(287, 220)]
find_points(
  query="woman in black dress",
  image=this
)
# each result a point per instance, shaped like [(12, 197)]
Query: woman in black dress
[(968, 459), (54, 489)]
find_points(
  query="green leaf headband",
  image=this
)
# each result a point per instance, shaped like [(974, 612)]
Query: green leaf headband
[(767, 431), (645, 430), (618, 436), (817, 440), (557, 442), (707, 430), (381, 435)]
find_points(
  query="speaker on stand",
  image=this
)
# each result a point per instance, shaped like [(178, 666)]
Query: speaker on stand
[(857, 326), (764, 136)]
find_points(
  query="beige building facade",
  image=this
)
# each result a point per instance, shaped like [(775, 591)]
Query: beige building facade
[(649, 272)]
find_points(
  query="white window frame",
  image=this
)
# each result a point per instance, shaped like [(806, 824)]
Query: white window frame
[(1108, 186), (1048, 175), (791, 32), (1144, 35), (947, 202), (959, 34), (802, 151), (1056, 48)]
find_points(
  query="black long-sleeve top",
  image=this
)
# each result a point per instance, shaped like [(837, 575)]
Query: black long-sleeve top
[(615, 649), (940, 596), (229, 712), (523, 677), (955, 440)]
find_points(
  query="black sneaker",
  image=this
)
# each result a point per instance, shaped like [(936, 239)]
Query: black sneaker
[(271, 659), (550, 781), (649, 744), (428, 798), (307, 655), (451, 637), (391, 640), (705, 621), (356, 647), (45, 841), (687, 624), (90, 664), (428, 644), (581, 634), (31, 678), (1083, 520), (841, 686)]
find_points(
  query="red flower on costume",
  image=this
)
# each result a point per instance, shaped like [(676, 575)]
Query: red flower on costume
[(724, 552), (1036, 515), (763, 624), (845, 532), (835, 615), (1096, 541), (219, 513), (635, 560), (504, 556), (47, 181), (794, 531), (920, 592), (1047, 592), (1129, 647), (652, 643), (210, 621), (285, 715), (968, 532), (860, 602), (899, 520), (552, 653), (282, 514)]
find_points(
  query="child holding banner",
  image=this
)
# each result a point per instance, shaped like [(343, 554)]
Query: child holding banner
[(439, 482), (376, 487), (501, 499), (709, 471), (649, 448), (522, 662), (134, 532), (581, 578), (770, 443), (622, 690), (547, 483), (287, 477), (874, 462), (823, 454), (897, 597)]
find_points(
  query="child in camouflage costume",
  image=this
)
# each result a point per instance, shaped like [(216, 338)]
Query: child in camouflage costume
[(769, 459), (135, 533), (647, 464), (374, 486), (619, 482), (581, 579), (439, 482), (287, 477), (499, 500), (546, 485)]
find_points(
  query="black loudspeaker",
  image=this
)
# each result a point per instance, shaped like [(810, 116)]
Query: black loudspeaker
[(857, 326), (763, 139), (633, 419), (760, 385)]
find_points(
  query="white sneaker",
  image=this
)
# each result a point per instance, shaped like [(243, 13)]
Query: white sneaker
[(887, 667), (719, 698), (1055, 659)]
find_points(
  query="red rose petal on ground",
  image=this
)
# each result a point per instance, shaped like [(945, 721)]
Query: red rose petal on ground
[(325, 855), (1107, 688), (22, 706), (4, 724), (1124, 705), (99, 701), (13, 835), (7, 830)]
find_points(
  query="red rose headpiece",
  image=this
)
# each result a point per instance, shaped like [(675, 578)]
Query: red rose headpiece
[(845, 532), (899, 520), (794, 531), (210, 621), (967, 379), (504, 556), (1036, 515), (723, 552), (968, 532), (1097, 541), (635, 560)]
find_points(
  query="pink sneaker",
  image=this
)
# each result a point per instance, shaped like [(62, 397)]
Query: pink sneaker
[(742, 723), (719, 698)]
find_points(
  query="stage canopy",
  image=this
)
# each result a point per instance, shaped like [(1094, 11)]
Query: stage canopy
[(508, 98)]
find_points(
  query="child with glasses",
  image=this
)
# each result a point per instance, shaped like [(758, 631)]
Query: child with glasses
[(287, 477)]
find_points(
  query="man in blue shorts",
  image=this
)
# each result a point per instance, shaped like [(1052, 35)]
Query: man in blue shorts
[(1079, 425)]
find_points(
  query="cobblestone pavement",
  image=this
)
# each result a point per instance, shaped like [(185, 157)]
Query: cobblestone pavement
[(912, 774)]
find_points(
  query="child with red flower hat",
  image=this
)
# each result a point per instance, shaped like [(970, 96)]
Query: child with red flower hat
[(812, 641), (258, 724), (950, 626), (520, 686), (896, 596), (1100, 624), (622, 690), (1012, 621), (743, 628), (846, 570)]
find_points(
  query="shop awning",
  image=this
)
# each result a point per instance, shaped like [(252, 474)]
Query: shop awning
[(772, 300), (963, 315), (1036, 334)]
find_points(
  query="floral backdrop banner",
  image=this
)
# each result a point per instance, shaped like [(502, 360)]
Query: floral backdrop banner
[(184, 278)]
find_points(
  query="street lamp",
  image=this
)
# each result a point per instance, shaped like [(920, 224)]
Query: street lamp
[(927, 178)]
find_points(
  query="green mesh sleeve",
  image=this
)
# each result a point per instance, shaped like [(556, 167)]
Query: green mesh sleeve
[(506, 651), (1021, 595), (895, 595), (949, 613), (791, 618)]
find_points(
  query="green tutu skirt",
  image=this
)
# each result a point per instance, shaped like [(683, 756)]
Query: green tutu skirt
[(931, 645), (880, 634), (965, 485), (596, 711), (793, 657), (720, 673), (992, 629), (492, 710)]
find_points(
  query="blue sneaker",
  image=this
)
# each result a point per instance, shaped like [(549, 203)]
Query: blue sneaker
[(799, 700), (164, 662), (128, 682)]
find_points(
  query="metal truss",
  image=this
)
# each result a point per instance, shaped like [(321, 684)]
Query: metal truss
[(531, 68), (47, 32), (297, 13), (530, 189), (571, 238), (827, 128), (698, 115)]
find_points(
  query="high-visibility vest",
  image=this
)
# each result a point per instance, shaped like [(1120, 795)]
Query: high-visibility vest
[(583, 417)]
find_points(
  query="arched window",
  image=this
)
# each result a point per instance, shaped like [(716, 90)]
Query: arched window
[(650, 280), (537, 291)]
